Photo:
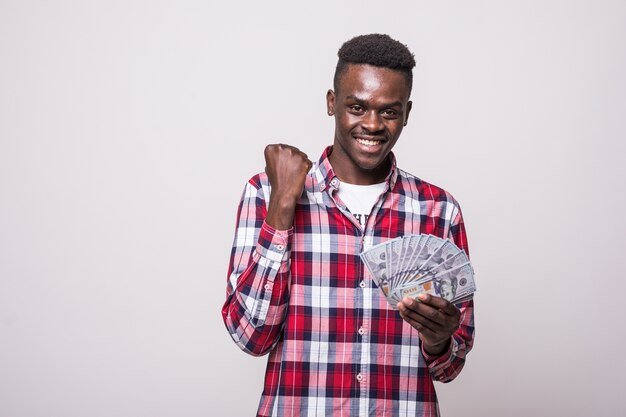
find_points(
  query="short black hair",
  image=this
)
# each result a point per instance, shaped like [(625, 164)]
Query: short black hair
[(378, 50)]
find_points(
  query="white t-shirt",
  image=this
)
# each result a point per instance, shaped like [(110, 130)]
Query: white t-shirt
[(360, 199)]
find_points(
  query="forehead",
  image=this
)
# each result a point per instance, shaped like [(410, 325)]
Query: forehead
[(371, 83)]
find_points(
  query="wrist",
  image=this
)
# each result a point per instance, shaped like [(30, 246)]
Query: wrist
[(437, 348), (284, 197), (283, 200), (280, 212)]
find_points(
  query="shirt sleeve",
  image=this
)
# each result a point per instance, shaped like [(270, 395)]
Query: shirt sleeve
[(257, 291), (447, 366)]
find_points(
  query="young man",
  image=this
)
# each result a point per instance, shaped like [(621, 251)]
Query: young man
[(297, 288)]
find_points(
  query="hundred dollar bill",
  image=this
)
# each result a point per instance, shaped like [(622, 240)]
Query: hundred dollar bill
[(452, 262), (403, 253), (452, 285), (443, 253), (419, 263), (396, 256), (410, 251), (430, 246), (375, 259), (397, 249), (415, 258)]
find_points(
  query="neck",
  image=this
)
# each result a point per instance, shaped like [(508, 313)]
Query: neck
[(349, 172)]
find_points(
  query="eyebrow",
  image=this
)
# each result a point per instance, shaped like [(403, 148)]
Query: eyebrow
[(385, 105)]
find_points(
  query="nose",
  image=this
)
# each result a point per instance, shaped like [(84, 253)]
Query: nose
[(372, 122)]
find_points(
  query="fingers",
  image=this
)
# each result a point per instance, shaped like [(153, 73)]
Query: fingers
[(433, 324), (423, 313), (439, 303), (272, 151), (282, 146), (419, 325)]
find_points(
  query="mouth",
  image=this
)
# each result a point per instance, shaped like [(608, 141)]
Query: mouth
[(369, 143)]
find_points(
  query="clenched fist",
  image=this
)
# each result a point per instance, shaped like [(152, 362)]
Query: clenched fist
[(286, 168)]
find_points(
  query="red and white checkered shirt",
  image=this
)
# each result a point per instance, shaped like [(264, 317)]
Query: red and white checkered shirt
[(303, 295)]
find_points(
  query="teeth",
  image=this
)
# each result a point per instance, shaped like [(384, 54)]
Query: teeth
[(368, 142)]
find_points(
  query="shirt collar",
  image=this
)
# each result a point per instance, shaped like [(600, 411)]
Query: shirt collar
[(326, 177)]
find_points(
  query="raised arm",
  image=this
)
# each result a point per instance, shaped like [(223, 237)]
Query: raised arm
[(257, 293)]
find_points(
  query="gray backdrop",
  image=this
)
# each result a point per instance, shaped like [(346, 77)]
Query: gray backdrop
[(127, 132)]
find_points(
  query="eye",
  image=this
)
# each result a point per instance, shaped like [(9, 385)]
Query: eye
[(390, 113), (356, 108)]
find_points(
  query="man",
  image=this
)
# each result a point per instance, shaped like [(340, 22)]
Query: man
[(297, 288)]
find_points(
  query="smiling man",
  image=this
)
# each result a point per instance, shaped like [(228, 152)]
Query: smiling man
[(296, 286)]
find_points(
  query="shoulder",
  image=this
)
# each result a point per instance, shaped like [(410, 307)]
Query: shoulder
[(257, 188), (259, 180), (416, 188)]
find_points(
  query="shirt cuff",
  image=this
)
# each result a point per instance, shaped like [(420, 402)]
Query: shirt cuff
[(433, 361), (274, 244)]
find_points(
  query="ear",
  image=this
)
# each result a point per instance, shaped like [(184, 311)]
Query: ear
[(409, 106), (330, 102)]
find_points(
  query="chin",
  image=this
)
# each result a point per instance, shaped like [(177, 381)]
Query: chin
[(369, 165)]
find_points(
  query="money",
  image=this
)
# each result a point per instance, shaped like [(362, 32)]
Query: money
[(451, 285), (414, 264), (375, 260)]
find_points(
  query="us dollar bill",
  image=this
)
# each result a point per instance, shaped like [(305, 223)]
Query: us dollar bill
[(411, 264), (451, 285), (375, 259)]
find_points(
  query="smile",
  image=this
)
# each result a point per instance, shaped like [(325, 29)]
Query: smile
[(367, 142)]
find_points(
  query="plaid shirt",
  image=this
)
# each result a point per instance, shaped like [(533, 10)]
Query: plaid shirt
[(303, 295)]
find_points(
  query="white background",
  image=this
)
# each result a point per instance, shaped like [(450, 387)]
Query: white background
[(127, 132)]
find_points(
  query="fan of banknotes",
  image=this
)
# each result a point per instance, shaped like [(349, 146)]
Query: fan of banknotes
[(413, 264)]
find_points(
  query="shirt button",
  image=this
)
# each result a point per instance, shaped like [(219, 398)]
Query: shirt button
[(280, 247), (362, 284), (267, 287), (361, 331), (334, 182), (359, 377)]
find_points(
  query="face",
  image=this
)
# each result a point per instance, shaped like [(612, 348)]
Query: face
[(371, 106), (447, 290)]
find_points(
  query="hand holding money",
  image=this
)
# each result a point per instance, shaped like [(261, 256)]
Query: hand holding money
[(434, 318), (286, 167)]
